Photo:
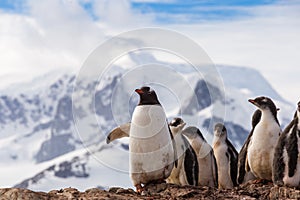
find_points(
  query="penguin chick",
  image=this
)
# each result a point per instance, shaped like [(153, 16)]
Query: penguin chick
[(261, 147), (226, 156), (206, 160), (186, 172), (286, 163)]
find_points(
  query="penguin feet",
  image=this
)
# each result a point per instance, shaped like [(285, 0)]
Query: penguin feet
[(139, 188), (262, 181), (279, 183), (159, 181)]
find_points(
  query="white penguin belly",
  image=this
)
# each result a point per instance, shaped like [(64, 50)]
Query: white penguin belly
[(224, 178), (206, 166), (261, 149), (151, 151), (206, 174), (177, 175)]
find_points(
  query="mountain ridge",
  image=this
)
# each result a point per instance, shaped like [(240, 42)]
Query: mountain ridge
[(49, 127)]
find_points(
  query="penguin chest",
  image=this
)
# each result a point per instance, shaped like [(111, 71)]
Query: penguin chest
[(220, 150), (205, 162), (177, 175), (261, 149), (224, 178), (151, 151)]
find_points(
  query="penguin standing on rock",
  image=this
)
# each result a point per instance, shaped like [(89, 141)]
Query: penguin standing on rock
[(208, 175), (186, 173), (260, 146), (227, 158), (152, 153), (286, 163)]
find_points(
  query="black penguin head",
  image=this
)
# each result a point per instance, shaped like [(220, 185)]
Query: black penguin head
[(176, 125), (298, 108), (147, 96), (264, 103), (176, 122), (220, 131), (193, 132)]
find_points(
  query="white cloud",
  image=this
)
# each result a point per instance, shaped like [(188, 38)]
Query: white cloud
[(268, 41), (53, 34), (119, 15), (60, 33)]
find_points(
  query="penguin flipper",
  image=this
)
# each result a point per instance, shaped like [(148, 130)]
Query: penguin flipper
[(215, 169), (242, 160), (292, 149), (191, 166), (119, 132), (233, 159), (278, 161), (174, 147)]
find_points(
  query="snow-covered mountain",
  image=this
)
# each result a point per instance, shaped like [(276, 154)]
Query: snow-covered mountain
[(41, 147)]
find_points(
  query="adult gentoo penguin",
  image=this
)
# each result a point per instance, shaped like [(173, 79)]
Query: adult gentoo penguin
[(244, 173), (226, 156), (152, 151), (286, 163), (208, 175), (186, 173), (261, 144)]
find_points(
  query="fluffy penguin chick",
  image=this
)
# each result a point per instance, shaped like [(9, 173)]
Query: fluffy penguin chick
[(206, 161), (187, 171), (286, 164), (151, 147), (226, 157), (260, 151)]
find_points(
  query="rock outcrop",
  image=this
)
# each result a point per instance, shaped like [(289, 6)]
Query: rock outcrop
[(159, 191)]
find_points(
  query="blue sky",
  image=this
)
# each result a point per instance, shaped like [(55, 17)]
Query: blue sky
[(214, 10), (11, 5), (37, 36), (193, 9)]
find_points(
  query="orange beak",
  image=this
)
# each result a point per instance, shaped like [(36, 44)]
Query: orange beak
[(251, 101), (139, 91)]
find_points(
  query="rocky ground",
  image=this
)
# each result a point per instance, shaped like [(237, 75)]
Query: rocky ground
[(160, 191)]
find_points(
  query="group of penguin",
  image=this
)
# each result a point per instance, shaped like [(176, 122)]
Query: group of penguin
[(160, 151)]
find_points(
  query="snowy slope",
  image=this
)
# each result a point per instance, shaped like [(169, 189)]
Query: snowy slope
[(83, 169), (40, 146)]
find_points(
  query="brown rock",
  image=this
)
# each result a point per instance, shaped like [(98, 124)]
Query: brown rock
[(249, 191)]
